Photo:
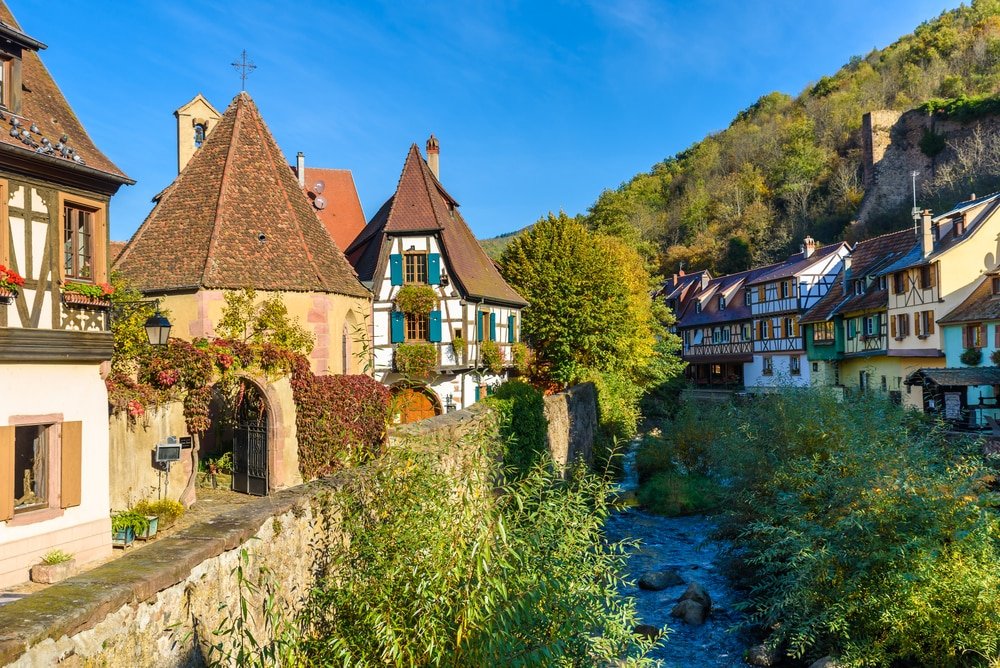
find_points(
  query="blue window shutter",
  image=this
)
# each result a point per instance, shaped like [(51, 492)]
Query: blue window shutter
[(434, 268), (478, 392), (511, 337), (479, 326), (396, 269), (493, 326), (434, 330), (398, 326)]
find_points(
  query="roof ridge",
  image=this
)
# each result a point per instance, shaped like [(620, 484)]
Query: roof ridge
[(227, 166), (399, 183), (425, 172)]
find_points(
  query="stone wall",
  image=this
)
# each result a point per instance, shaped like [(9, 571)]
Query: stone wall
[(572, 417), (134, 474), (159, 605)]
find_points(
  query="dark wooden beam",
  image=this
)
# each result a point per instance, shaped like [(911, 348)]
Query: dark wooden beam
[(54, 345)]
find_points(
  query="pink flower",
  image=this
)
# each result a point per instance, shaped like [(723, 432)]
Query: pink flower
[(135, 408), (225, 361)]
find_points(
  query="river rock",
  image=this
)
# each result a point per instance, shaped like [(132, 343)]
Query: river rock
[(695, 592), (763, 655), (690, 612), (657, 580), (647, 630), (825, 662)]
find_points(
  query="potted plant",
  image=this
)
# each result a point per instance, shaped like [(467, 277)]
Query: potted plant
[(416, 359), (126, 525), (995, 357), (56, 565), (458, 348), (490, 356), (416, 299), (87, 294), (10, 282), (972, 357), (162, 513)]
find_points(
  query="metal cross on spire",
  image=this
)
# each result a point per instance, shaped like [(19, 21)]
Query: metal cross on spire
[(245, 67)]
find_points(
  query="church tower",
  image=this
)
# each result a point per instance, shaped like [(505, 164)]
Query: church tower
[(195, 120)]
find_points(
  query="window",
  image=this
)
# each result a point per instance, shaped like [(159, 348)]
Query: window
[(852, 328), (716, 335), (795, 365), (784, 289), (5, 82), (859, 287), (881, 282), (884, 384), (687, 338), (31, 468), (973, 336), (768, 366), (417, 327), (899, 282), (788, 328), (823, 332), (745, 332), (415, 267), (863, 381), (901, 326), (746, 296), (924, 323), (697, 306), (199, 135), (78, 242), (869, 326), (722, 303), (725, 335), (995, 282), (815, 366), (926, 277)]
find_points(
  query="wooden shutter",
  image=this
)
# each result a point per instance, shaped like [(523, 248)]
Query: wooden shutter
[(493, 326), (930, 322), (434, 268), (965, 337), (760, 330), (396, 269), (982, 336), (795, 327), (760, 294), (916, 323), (480, 325), (996, 336), (892, 326), (932, 277), (71, 461), (434, 327), (397, 327), (6, 473), (511, 333)]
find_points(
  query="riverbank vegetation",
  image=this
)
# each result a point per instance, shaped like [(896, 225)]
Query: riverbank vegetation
[(437, 564), (859, 529)]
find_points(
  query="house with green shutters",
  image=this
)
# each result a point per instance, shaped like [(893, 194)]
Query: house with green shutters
[(444, 321)]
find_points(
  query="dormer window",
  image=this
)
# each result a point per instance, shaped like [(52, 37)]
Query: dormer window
[(859, 287), (199, 135), (995, 283), (5, 83), (697, 307), (415, 267), (722, 303)]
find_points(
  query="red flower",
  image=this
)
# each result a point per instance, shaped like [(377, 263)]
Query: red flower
[(225, 361), (107, 288), (10, 278), (135, 408)]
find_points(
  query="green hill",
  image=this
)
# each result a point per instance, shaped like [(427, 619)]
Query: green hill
[(791, 166), (494, 246)]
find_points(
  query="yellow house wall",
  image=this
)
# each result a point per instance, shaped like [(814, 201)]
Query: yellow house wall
[(895, 370), (326, 316)]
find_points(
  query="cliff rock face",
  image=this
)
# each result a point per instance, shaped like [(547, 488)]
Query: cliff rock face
[(891, 151)]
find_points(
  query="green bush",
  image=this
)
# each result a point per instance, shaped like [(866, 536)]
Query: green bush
[(523, 426), (167, 510), (617, 416), (862, 529), (671, 493)]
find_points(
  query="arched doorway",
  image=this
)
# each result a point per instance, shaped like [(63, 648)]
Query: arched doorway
[(415, 403), (250, 443)]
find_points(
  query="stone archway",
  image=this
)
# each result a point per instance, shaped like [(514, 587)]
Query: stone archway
[(413, 403), (251, 460)]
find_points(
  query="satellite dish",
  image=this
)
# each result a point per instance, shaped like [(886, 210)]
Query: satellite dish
[(319, 202), (318, 188)]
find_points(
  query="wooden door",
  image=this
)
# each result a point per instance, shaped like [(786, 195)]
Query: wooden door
[(415, 405)]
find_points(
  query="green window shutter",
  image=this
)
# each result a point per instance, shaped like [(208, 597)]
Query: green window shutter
[(478, 392), (852, 328), (434, 268), (398, 327), (511, 334), (493, 326), (479, 326), (396, 269), (434, 329)]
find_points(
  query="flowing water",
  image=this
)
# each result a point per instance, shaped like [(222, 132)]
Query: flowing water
[(681, 544)]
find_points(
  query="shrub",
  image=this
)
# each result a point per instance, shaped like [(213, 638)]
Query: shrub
[(459, 347), (490, 356), (339, 420), (523, 426), (167, 510), (416, 299), (995, 357), (416, 360), (617, 415), (862, 529), (971, 357), (671, 493), (520, 356), (56, 557)]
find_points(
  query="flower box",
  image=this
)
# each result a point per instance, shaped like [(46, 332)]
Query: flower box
[(76, 299), (123, 537), (150, 530), (52, 573), (7, 294)]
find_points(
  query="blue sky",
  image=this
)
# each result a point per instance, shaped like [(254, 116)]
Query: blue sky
[(538, 105)]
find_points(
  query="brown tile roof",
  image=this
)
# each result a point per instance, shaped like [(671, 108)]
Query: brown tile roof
[(115, 249), (46, 116), (342, 216), (235, 217), (421, 204), (981, 305), (796, 263)]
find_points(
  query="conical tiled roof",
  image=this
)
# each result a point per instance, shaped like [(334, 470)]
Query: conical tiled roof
[(421, 204), (235, 217), (46, 114)]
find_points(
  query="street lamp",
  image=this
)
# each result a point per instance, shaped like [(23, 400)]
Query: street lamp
[(157, 329)]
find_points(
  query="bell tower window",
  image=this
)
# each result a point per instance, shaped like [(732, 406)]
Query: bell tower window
[(199, 135)]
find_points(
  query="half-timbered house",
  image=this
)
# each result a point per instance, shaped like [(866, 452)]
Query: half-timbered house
[(419, 238), (55, 187), (847, 331), (777, 299)]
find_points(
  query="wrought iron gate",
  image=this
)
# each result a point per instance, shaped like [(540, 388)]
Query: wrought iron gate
[(250, 445)]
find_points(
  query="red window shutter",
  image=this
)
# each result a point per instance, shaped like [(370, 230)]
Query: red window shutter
[(71, 461), (6, 473), (965, 337)]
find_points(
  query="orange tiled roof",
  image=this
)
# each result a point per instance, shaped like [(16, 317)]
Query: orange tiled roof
[(46, 117), (235, 217), (342, 216), (421, 204)]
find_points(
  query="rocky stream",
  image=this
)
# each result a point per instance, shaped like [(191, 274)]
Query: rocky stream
[(675, 552)]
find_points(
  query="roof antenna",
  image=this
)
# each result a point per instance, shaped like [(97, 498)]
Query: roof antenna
[(245, 67), (915, 211)]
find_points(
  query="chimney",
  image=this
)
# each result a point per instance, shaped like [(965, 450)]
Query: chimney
[(927, 233), (808, 247), (300, 168), (434, 156), (680, 272)]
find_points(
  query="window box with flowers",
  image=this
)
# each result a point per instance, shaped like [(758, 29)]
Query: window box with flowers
[(416, 299), (10, 283), (416, 360), (94, 295), (971, 357)]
